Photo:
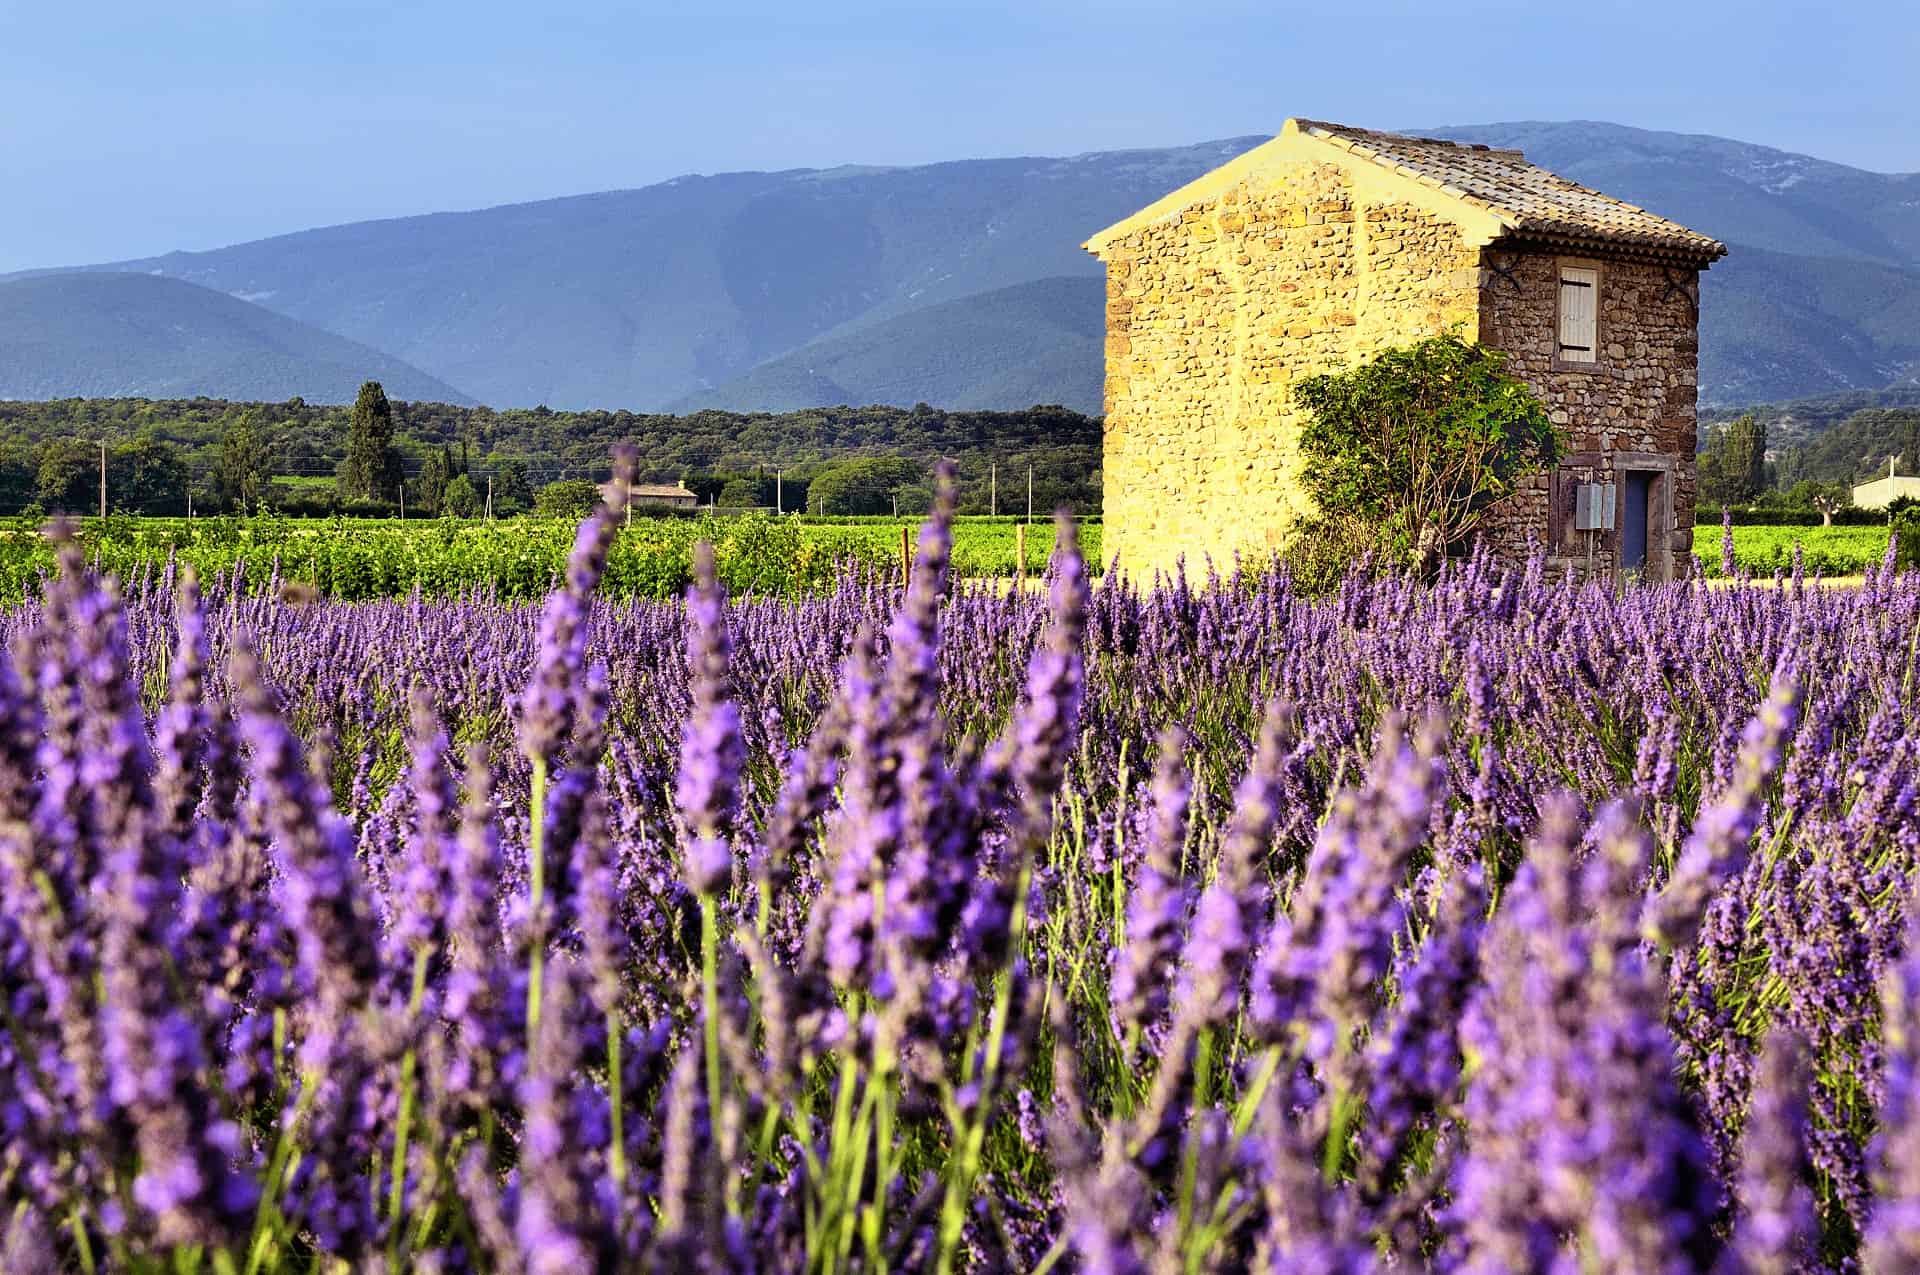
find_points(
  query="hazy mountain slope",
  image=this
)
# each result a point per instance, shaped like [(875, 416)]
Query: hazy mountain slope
[(642, 298), (1775, 326), (727, 289), (1029, 343), (1792, 423), (116, 335)]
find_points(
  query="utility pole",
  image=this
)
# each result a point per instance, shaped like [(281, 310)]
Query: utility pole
[(896, 504), (1029, 493), (103, 478), (993, 489), (779, 497), (403, 500), (489, 497)]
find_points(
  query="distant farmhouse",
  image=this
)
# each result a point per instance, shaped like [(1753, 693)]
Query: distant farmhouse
[(656, 495), (1329, 244), (1881, 492), (667, 495)]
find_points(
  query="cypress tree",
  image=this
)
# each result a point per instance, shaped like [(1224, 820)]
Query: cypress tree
[(245, 465), (1745, 474), (371, 470)]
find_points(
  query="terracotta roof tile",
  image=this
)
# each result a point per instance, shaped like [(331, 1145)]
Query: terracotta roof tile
[(1531, 199)]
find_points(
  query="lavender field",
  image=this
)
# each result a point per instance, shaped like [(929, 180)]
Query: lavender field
[(1495, 925)]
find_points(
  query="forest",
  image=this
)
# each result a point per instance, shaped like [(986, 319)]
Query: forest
[(232, 456), (1764, 467)]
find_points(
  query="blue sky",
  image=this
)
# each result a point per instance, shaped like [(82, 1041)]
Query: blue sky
[(134, 128)]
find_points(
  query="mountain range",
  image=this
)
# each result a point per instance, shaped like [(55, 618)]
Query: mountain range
[(960, 284), (117, 335)]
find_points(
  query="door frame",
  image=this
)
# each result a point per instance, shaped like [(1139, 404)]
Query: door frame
[(1659, 563)]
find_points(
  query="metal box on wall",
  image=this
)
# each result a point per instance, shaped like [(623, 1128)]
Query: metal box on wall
[(1593, 507)]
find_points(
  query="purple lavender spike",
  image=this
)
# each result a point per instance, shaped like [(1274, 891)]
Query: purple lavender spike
[(1723, 835), (1157, 904), (711, 748), (1778, 1231), (1892, 1241)]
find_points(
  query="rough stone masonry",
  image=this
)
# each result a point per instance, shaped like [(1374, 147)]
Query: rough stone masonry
[(1330, 244)]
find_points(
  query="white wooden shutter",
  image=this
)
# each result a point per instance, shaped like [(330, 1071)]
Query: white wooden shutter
[(1579, 323)]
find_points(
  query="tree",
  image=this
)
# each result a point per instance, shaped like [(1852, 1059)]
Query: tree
[(1906, 534), (1827, 499), (18, 466), (460, 499), (148, 476), (1711, 466), (371, 470), (1417, 444), (430, 487), (245, 465), (68, 477), (1790, 468), (864, 485), (1744, 466), (512, 493), (568, 498)]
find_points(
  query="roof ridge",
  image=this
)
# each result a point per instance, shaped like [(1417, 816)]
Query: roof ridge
[(1522, 200), (1355, 131), (1530, 199)]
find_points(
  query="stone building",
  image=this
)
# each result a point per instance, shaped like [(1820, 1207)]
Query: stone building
[(1878, 493), (1329, 244), (656, 495)]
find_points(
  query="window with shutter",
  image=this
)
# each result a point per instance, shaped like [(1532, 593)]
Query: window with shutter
[(1579, 313)]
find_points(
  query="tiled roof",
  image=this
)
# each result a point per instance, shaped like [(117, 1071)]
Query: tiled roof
[(1533, 201), (658, 490)]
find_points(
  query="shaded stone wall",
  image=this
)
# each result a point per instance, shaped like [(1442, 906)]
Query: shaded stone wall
[(1214, 313), (1631, 409)]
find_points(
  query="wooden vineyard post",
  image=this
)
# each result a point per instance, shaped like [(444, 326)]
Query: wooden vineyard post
[(906, 556), (1020, 557)]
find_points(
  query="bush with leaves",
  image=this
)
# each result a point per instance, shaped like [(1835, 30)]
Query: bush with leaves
[(460, 500), (1419, 443), (1322, 553), (1906, 536), (572, 498), (864, 485)]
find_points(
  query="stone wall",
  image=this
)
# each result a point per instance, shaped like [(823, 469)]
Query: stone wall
[(1632, 408), (1214, 313)]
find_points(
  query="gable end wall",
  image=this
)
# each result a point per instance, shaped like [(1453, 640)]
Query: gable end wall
[(1215, 312)]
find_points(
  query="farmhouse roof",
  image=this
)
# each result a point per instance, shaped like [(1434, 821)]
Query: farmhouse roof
[(658, 490), (1524, 201)]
